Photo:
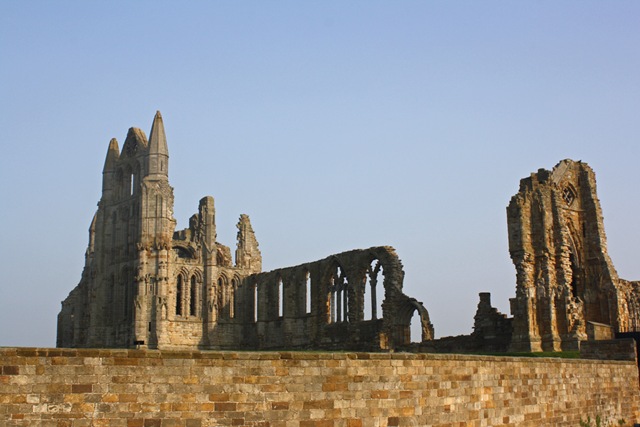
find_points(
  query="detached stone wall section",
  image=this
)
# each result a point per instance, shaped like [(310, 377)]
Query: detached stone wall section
[(565, 277), (145, 388)]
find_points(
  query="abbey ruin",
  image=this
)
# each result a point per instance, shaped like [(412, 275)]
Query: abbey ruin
[(567, 290), (146, 285), (566, 282)]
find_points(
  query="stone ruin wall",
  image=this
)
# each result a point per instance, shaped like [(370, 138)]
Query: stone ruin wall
[(565, 277), (150, 388), (351, 300), (566, 282), (147, 285)]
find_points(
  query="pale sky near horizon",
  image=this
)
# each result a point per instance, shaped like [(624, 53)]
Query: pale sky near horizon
[(334, 125)]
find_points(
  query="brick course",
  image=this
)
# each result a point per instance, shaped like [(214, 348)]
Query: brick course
[(89, 387)]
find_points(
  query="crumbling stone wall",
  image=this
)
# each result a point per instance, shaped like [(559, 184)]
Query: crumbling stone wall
[(147, 285), (565, 277), (146, 388), (492, 333), (334, 302)]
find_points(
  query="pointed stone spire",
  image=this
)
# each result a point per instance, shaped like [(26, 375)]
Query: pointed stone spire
[(158, 150), (248, 255), (109, 169), (113, 154)]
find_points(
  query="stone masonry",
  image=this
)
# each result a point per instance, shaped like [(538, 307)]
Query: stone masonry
[(147, 285), (152, 388), (565, 278), (567, 290)]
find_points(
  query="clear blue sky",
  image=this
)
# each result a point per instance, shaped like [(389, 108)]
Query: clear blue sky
[(335, 125)]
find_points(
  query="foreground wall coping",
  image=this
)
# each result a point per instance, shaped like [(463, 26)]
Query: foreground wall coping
[(284, 355)]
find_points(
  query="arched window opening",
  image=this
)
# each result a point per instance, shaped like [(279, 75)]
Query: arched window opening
[(132, 180), (192, 297), (255, 301), (308, 293), (222, 295), (345, 302), (415, 328), (179, 292), (338, 297), (280, 298), (373, 303), (233, 301)]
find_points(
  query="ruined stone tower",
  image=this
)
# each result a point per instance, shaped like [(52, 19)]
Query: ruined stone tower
[(143, 283), (565, 278), (146, 285)]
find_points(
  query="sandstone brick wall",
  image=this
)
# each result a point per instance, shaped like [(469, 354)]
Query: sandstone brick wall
[(136, 388)]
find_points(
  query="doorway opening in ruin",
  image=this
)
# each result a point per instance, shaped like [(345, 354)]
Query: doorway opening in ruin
[(373, 294), (415, 327), (414, 323)]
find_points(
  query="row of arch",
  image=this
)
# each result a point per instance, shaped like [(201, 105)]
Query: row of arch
[(336, 297), (190, 293), (259, 300)]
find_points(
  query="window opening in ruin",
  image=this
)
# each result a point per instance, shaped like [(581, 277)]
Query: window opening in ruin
[(345, 302), (179, 297), (222, 294), (338, 297), (255, 301), (568, 195), (415, 328), (373, 303), (192, 297), (132, 179), (280, 298), (307, 292), (232, 298)]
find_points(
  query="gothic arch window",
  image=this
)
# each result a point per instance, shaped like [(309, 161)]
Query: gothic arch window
[(373, 303), (280, 297), (179, 294), (193, 297), (125, 181), (255, 301), (307, 292), (338, 296), (223, 295), (233, 301)]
